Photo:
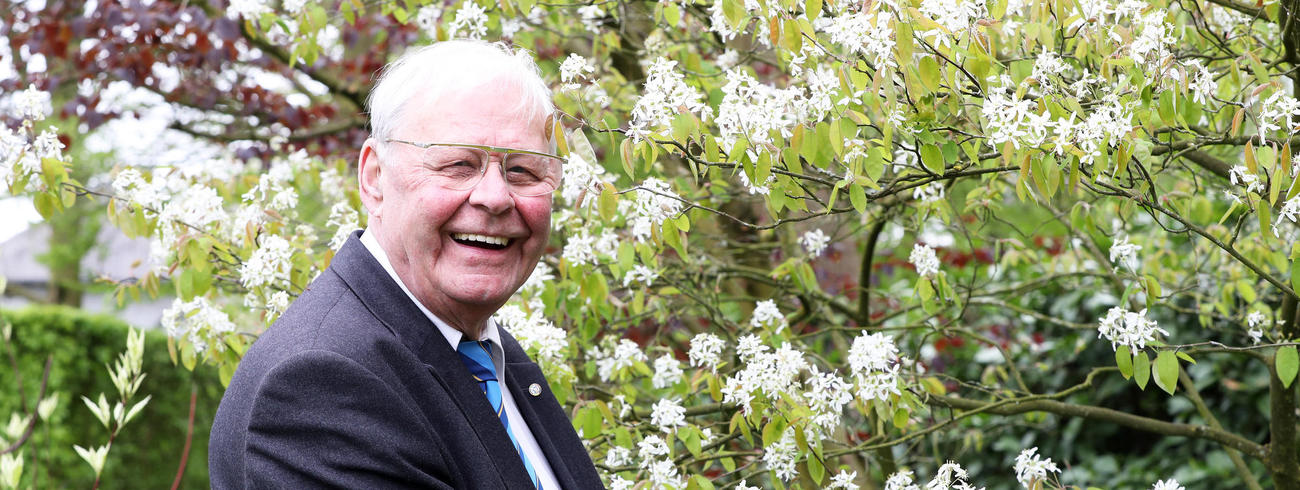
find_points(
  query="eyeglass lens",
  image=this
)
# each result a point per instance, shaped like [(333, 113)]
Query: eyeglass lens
[(461, 168)]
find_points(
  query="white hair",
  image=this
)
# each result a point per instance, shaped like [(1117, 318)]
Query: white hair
[(437, 69)]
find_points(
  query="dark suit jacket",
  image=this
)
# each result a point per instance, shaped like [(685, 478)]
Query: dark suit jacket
[(354, 387)]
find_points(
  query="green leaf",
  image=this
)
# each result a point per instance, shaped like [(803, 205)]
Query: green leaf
[(1287, 364), (1141, 370), (1184, 356), (929, 70), (1167, 371), (858, 197), (701, 482), (900, 418), (1124, 360), (932, 157), (816, 470), (924, 290)]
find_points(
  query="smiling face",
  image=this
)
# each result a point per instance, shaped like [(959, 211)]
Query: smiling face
[(461, 253)]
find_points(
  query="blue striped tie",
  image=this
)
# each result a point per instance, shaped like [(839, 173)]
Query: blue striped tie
[(477, 356)]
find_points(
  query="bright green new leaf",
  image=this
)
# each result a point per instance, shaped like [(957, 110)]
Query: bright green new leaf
[(1167, 371), (1287, 364), (1124, 360), (932, 157), (1141, 370)]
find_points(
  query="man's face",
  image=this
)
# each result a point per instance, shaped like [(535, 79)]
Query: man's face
[(426, 229)]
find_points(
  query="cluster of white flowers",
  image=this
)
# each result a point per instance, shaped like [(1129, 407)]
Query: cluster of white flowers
[(1254, 322), (867, 33), (249, 9), (591, 17), (582, 181), (1170, 484), (950, 476), (655, 202), (901, 480), (1242, 176), (956, 16), (872, 361), (275, 188), (196, 320), (667, 414), (573, 69), (344, 220), (826, 395), (471, 22), (769, 372), (1124, 253), (928, 193), (20, 153), (427, 18), (843, 481), (618, 456), (662, 472), (1032, 469), (1200, 81), (276, 303), (131, 186), (31, 104), (584, 249), (538, 279), (753, 110), (1278, 111), (194, 208), (780, 456), (640, 274), (623, 356), (1151, 46), (666, 92), (269, 265), (706, 350), (1048, 65), (668, 371), (766, 314), (1009, 117), (534, 332), (1123, 327), (924, 260), (814, 241), (750, 186)]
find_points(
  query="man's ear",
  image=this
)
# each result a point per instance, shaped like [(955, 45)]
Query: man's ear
[(369, 172)]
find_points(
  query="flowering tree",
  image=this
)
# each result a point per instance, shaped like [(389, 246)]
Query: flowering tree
[(799, 243)]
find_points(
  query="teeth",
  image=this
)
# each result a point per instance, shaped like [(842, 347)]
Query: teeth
[(491, 240)]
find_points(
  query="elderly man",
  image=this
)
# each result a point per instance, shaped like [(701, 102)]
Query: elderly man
[(388, 371)]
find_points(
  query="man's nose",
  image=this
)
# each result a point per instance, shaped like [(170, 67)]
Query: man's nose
[(493, 191)]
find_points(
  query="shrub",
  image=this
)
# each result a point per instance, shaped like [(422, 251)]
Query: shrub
[(147, 452)]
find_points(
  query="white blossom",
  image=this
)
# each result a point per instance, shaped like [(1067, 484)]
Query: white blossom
[(1032, 469), (344, 220), (537, 280), (249, 9), (843, 481), (277, 303), (655, 203), (534, 332), (668, 371), (929, 192), (624, 355), (582, 181), (269, 265), (901, 480), (1124, 253), (427, 19), (1133, 329), (814, 241), (665, 92), (766, 314), (618, 456), (575, 68), (640, 274), (1240, 175), (1256, 318), (1200, 82), (591, 17), (752, 111), (780, 456), (47, 145), (769, 372), (1170, 484), (949, 475), (862, 32), (580, 249), (1278, 111), (471, 22), (196, 320), (31, 104), (651, 446), (924, 260), (667, 414), (706, 350)]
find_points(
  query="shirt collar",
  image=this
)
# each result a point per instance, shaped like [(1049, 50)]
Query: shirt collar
[(452, 335)]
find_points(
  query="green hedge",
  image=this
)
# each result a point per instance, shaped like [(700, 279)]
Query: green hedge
[(147, 452)]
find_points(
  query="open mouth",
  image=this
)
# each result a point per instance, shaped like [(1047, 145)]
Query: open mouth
[(481, 241)]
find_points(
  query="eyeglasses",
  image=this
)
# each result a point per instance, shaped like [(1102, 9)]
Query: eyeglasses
[(460, 167)]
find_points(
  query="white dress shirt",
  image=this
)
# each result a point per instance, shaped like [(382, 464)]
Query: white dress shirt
[(518, 426)]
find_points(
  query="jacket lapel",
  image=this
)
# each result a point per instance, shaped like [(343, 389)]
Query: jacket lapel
[(390, 305), (550, 426)]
